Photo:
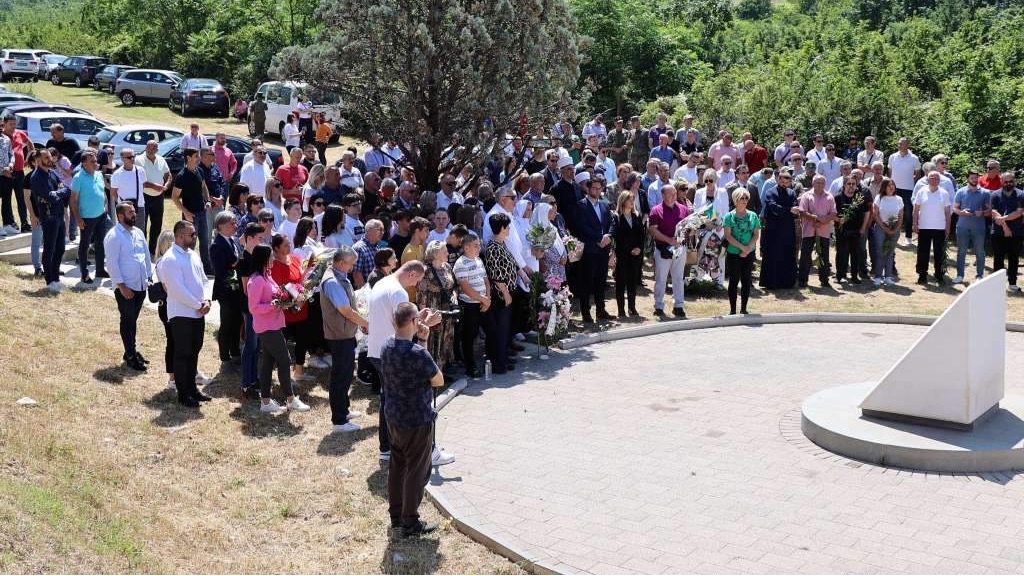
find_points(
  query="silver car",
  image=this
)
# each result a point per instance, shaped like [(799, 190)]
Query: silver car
[(77, 127), (49, 64), (146, 85), (135, 136)]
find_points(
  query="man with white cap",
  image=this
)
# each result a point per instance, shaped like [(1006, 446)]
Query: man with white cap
[(565, 191)]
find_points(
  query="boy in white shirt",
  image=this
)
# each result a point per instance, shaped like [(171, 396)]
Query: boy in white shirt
[(440, 231)]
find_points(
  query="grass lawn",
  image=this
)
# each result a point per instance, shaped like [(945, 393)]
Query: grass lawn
[(109, 109)]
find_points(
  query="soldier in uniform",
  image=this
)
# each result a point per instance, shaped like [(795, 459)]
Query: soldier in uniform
[(258, 110), (638, 144), (617, 139)]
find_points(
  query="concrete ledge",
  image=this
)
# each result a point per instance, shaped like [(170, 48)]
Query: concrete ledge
[(581, 340)]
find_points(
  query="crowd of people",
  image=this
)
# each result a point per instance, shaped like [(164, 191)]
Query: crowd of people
[(445, 283)]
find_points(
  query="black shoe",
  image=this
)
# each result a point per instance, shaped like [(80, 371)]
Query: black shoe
[(189, 402), (474, 373), (140, 358), (855, 280), (102, 274), (840, 279), (658, 312), (922, 280), (634, 313), (588, 319), (87, 279), (622, 316), (802, 284), (202, 397), (744, 312), (134, 364), (396, 523), (39, 272), (678, 312), (26, 228), (940, 278), (603, 315), (826, 284), (418, 528)]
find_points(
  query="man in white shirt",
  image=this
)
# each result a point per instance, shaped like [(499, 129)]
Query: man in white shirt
[(447, 194), (687, 171), (374, 157), (904, 168), (128, 184), (255, 173), (441, 227), (181, 273), (817, 154), (351, 177), (931, 223), (158, 177), (597, 128), (784, 150), (194, 139), (514, 242), (726, 175), (835, 186), (869, 155), (828, 167), (944, 182)]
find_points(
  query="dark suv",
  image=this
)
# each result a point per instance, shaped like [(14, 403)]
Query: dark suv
[(77, 69)]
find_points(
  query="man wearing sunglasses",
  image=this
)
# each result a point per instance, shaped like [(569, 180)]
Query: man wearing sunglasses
[(256, 172), (127, 184)]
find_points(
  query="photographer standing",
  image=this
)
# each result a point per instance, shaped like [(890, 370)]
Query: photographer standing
[(437, 291)]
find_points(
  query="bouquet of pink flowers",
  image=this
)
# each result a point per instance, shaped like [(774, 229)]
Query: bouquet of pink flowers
[(574, 247), (290, 297), (556, 303)]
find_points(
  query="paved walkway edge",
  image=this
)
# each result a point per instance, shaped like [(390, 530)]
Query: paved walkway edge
[(582, 340)]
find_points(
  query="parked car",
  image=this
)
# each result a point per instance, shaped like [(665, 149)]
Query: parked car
[(49, 64), (107, 77), (26, 107), (196, 94), (135, 136), (283, 97), (11, 97), (170, 149), (145, 85), (78, 127), (77, 69), (18, 64)]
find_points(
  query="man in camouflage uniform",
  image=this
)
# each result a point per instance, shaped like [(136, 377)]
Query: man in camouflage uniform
[(638, 145), (616, 143)]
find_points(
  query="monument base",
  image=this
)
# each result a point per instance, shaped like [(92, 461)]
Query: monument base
[(833, 420), (907, 419)]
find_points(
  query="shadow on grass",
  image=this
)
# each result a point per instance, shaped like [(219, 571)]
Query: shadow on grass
[(782, 294), (171, 413), (377, 483), (341, 443), (38, 293), (116, 374), (415, 555), (260, 425)]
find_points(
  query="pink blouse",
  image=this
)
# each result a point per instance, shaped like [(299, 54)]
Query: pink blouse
[(265, 316)]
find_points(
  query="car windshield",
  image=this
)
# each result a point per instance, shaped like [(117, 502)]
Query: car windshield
[(205, 85), (105, 135), (20, 55), (319, 97), (55, 58), (168, 146), (177, 79)]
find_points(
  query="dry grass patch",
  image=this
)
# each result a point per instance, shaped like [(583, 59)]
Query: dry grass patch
[(108, 474)]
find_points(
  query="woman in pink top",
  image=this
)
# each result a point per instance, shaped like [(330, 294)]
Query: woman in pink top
[(268, 323)]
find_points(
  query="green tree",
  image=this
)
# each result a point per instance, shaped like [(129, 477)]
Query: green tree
[(462, 73)]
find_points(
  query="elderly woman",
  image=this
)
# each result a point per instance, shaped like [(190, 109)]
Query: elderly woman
[(742, 233), (437, 291), (274, 200), (227, 290), (287, 269), (629, 234), (384, 262), (501, 271), (554, 258)]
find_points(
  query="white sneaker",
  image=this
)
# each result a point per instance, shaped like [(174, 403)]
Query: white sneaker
[(354, 414), (958, 280), (519, 337), (1014, 288), (877, 282), (889, 281), (10, 230), (316, 362), (272, 408), (297, 405), (55, 286), (327, 360), (439, 457), (171, 385), (385, 456), (203, 379), (346, 427)]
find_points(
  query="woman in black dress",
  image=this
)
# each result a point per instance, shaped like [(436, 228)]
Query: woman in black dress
[(778, 247), (628, 233)]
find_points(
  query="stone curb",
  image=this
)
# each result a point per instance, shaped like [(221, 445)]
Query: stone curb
[(582, 340)]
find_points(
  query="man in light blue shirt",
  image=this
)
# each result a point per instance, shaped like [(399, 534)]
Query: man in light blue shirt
[(89, 207), (973, 205), (128, 262)]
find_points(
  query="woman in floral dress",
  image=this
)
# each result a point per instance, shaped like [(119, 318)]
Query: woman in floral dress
[(437, 291)]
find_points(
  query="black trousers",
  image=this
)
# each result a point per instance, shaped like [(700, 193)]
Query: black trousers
[(321, 152), (499, 320), (908, 212), (161, 312), (343, 365), (299, 334), (929, 243), (53, 247), (11, 192), (848, 254), (129, 309), (470, 325), (1003, 249), (628, 270), (93, 233), (188, 342), (593, 279), (229, 335), (807, 252), (307, 124), (155, 215), (383, 433), (408, 471), (740, 270)]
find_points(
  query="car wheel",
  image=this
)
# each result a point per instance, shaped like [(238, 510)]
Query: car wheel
[(78, 81), (96, 86), (111, 87), (128, 98), (2, 76), (55, 79)]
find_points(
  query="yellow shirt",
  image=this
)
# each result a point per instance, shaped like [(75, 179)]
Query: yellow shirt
[(324, 133), (410, 253)]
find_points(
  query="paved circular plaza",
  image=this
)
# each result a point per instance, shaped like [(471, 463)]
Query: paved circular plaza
[(682, 453)]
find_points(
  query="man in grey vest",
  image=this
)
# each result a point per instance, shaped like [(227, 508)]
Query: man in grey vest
[(341, 321)]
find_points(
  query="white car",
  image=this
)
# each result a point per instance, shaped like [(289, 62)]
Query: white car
[(282, 98), (50, 63), (135, 136), (77, 127), (18, 64)]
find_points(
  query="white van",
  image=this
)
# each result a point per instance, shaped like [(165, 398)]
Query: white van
[(282, 99)]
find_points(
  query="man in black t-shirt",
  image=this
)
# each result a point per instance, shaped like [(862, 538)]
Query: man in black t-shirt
[(66, 146), (853, 205), (191, 196)]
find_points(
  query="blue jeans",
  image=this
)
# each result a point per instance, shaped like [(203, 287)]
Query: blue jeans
[(202, 226), (966, 236), (250, 353), (882, 265), (37, 246), (93, 233)]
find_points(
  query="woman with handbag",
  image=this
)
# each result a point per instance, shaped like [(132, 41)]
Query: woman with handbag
[(437, 291)]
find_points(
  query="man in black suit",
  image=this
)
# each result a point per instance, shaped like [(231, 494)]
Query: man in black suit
[(565, 191), (592, 226), (227, 290)]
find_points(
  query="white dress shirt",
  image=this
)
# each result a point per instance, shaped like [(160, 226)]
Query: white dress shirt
[(255, 176), (183, 278)]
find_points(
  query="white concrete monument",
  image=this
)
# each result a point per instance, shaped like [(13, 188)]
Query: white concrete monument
[(954, 374)]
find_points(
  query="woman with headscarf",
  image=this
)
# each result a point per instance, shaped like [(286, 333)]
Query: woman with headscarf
[(521, 321), (554, 258)]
